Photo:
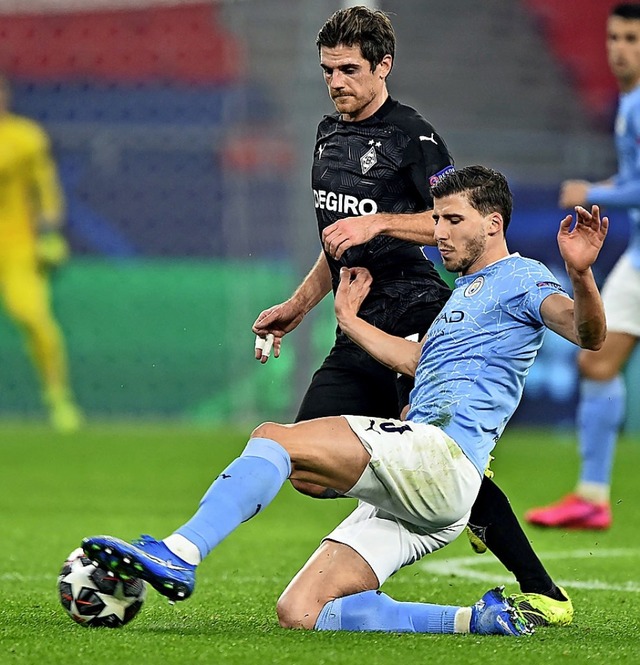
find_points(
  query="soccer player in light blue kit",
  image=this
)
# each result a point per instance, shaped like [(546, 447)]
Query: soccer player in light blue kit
[(416, 480), (602, 404)]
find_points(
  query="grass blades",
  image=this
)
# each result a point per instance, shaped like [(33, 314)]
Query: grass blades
[(125, 480)]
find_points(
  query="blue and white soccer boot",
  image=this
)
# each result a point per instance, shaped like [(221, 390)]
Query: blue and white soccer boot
[(148, 559), (494, 614)]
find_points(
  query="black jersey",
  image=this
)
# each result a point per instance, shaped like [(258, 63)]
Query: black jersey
[(381, 164)]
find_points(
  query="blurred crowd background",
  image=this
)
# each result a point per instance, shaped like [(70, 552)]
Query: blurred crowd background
[(183, 134)]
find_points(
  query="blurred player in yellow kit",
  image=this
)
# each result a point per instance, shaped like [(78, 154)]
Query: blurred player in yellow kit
[(31, 211)]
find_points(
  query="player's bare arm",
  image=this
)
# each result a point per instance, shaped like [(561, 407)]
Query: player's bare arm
[(285, 317), (47, 190), (581, 320), (52, 249), (575, 192), (351, 231), (400, 355)]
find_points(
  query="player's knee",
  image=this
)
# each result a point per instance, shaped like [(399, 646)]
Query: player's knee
[(294, 612), (267, 430), (596, 367)]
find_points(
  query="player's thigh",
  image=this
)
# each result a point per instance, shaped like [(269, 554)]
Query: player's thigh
[(26, 293), (387, 543), (610, 359), (621, 298), (324, 451), (350, 382), (334, 570), (416, 472)]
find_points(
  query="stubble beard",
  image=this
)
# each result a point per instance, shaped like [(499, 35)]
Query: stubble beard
[(473, 250), (354, 105)]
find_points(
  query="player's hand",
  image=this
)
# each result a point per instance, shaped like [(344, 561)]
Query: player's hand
[(275, 323), (264, 346), (52, 250), (573, 193), (580, 245), (354, 287), (340, 236)]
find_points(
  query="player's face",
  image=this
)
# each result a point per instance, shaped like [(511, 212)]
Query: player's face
[(356, 91), (461, 234), (623, 50)]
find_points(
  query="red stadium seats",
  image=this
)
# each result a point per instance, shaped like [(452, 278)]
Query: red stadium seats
[(575, 31), (184, 43)]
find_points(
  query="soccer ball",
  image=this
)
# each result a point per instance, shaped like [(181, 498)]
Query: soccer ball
[(96, 597)]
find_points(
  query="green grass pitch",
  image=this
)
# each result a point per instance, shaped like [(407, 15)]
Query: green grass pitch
[(127, 480)]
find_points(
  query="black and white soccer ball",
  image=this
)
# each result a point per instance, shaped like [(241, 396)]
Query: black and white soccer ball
[(96, 597)]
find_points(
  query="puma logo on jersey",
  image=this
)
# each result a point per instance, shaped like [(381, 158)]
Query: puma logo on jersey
[(429, 138), (372, 426)]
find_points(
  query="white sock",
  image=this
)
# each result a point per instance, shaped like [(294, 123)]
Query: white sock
[(462, 620), (594, 492), (183, 548)]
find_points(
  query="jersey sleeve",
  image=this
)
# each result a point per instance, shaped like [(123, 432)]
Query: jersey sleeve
[(616, 196), (46, 185), (534, 283), (622, 193), (426, 156)]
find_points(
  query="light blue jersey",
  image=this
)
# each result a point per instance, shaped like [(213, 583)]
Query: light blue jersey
[(478, 352), (625, 192)]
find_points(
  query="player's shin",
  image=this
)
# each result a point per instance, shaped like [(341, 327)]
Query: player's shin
[(375, 611), (241, 491), (493, 614), (493, 517), (600, 417)]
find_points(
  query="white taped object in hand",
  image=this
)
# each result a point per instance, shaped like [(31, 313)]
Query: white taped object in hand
[(265, 344)]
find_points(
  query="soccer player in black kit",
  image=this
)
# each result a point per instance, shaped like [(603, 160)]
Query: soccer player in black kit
[(373, 164)]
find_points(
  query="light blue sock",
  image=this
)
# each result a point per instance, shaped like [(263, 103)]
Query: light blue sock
[(241, 491), (374, 610), (600, 415)]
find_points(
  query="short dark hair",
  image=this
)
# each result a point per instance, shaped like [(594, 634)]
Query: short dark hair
[(628, 10), (369, 29), (486, 189)]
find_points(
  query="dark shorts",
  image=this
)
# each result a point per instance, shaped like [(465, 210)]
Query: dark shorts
[(351, 382)]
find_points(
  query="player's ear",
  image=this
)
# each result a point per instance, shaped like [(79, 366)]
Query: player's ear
[(496, 223), (385, 66)]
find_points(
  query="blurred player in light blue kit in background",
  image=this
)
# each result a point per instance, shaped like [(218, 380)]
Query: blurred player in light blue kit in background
[(602, 389)]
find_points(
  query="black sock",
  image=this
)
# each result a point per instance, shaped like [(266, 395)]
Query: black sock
[(494, 522)]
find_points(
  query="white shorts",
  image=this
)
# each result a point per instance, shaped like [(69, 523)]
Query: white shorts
[(415, 494), (621, 298)]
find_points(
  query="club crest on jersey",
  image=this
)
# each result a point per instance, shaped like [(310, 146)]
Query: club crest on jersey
[(368, 160), (474, 287)]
